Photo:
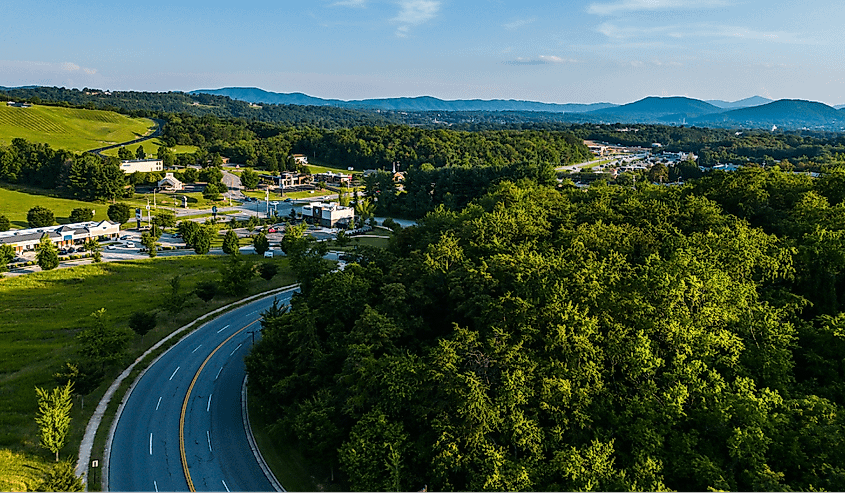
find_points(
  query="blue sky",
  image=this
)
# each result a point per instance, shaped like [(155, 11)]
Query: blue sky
[(566, 51)]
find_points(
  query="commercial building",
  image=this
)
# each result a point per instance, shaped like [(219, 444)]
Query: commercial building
[(334, 178), (62, 235), (327, 215), (142, 165)]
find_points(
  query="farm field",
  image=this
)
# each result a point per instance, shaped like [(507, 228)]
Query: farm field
[(76, 130), (40, 316), (14, 204)]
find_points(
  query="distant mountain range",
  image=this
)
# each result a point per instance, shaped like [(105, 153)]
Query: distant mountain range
[(753, 112), (422, 103), (742, 103)]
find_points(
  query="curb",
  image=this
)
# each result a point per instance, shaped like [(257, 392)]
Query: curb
[(253, 445), (93, 425)]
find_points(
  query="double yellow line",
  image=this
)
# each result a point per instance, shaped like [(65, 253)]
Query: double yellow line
[(185, 407)]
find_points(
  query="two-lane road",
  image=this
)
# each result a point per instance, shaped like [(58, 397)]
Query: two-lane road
[(183, 421)]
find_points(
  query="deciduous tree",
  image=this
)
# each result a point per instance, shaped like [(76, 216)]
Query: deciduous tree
[(39, 216), (54, 416), (47, 256)]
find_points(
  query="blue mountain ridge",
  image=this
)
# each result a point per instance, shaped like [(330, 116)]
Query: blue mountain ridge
[(421, 103)]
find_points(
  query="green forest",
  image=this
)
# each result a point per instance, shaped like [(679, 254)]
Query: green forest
[(546, 338)]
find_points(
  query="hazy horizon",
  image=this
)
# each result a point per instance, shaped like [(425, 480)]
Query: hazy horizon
[(615, 51)]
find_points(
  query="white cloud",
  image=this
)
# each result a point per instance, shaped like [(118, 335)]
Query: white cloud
[(350, 3), (541, 60), (70, 67), (623, 6), (510, 26), (700, 30), (414, 13)]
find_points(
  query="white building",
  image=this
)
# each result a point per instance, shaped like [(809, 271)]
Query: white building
[(327, 214), (170, 182), (62, 235), (142, 165)]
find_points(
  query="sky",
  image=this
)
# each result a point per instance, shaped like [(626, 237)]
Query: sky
[(614, 51)]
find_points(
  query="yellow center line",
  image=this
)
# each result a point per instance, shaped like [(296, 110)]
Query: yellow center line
[(185, 407)]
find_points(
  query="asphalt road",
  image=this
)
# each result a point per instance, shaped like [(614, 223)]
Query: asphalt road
[(195, 387)]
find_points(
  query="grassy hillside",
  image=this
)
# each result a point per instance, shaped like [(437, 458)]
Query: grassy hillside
[(66, 128), (15, 204), (151, 148), (40, 315)]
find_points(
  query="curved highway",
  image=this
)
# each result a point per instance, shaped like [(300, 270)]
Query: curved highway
[(182, 429)]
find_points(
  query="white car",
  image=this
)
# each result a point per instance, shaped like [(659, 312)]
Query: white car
[(268, 254), (110, 247), (129, 244)]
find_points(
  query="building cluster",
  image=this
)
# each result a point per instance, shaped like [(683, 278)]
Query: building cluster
[(64, 235)]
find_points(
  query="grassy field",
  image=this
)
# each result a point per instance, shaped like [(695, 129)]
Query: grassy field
[(72, 129), (151, 148), (41, 313), (14, 204), (320, 167)]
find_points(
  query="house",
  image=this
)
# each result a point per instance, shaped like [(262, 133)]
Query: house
[(62, 235), (327, 214), (142, 165), (18, 105), (299, 158), (170, 182)]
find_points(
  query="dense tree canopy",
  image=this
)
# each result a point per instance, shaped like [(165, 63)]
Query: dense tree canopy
[(556, 339)]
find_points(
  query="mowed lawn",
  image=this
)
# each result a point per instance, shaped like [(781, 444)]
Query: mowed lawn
[(151, 148), (15, 204), (68, 128), (41, 314)]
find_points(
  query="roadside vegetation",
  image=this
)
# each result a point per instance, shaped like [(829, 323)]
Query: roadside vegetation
[(42, 314)]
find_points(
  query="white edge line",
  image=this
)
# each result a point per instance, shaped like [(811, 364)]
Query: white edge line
[(159, 403), (224, 485), (207, 407), (151, 444)]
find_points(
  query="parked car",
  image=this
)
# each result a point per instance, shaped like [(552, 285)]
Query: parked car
[(288, 199), (129, 244), (63, 251), (71, 250), (268, 254), (110, 247)]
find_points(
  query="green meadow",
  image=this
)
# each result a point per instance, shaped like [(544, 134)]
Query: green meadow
[(14, 204), (40, 316), (68, 128), (151, 148)]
